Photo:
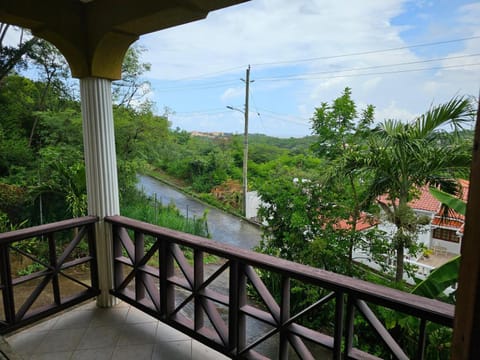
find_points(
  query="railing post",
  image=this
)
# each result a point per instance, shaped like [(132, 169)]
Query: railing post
[(139, 275), (422, 340), (167, 293), (284, 317), (242, 301), (93, 253), (338, 331), (53, 264), (6, 279), (198, 319), (349, 325), (233, 289)]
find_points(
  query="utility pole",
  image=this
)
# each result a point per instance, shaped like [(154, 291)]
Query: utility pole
[(247, 82), (245, 142)]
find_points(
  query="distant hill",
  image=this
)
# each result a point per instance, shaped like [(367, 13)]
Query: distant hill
[(295, 145)]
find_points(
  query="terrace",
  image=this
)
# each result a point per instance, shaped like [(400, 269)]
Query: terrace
[(163, 273)]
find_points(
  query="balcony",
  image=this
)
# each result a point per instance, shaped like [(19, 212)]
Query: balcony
[(192, 296)]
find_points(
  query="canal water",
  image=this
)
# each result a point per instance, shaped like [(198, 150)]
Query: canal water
[(223, 227)]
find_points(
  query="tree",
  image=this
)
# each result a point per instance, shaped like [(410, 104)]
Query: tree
[(342, 133), (402, 157), (12, 56), (131, 89), (54, 72)]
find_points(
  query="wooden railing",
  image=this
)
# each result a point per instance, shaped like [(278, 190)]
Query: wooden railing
[(227, 306), (46, 269)]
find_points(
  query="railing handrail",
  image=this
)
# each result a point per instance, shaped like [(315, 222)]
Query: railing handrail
[(11, 236), (428, 309)]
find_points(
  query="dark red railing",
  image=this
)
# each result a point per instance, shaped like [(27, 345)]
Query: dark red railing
[(46, 269), (164, 273)]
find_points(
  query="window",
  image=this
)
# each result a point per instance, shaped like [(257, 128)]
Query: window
[(446, 234)]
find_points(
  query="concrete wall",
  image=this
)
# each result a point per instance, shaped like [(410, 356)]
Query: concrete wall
[(253, 204)]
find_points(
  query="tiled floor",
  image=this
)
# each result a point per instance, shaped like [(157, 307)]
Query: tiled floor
[(121, 332)]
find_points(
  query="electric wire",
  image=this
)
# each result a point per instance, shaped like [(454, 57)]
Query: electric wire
[(288, 76), (328, 57), (312, 75), (368, 52)]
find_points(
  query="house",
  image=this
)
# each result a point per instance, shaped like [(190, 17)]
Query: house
[(444, 233)]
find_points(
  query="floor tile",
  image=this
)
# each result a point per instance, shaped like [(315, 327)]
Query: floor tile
[(94, 354), (52, 356), (79, 319), (60, 340), (99, 337), (134, 334), (44, 325), (136, 352), (167, 333), (173, 350), (109, 317), (26, 342), (92, 333), (202, 352), (136, 316)]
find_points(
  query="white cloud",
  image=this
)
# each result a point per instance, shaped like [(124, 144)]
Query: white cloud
[(393, 111), (276, 31), (232, 93)]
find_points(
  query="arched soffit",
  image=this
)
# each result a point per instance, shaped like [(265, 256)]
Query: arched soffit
[(94, 35)]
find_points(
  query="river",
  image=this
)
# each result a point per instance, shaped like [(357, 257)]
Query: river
[(223, 227)]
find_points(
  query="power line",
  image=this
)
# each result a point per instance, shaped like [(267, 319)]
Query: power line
[(308, 76), (372, 73), (204, 111), (210, 73), (328, 57), (365, 52), (368, 67), (200, 86)]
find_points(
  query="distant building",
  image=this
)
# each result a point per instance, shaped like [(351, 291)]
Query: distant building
[(211, 135)]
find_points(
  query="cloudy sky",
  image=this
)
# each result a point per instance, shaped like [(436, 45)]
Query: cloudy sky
[(401, 56)]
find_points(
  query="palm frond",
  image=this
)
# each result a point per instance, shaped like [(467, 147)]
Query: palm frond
[(455, 113)]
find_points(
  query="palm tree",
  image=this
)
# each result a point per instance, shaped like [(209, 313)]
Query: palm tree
[(403, 157)]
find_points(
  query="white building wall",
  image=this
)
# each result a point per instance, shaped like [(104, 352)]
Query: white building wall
[(253, 204)]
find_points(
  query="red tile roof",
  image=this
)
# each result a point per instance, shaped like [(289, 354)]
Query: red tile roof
[(426, 202), (365, 222)]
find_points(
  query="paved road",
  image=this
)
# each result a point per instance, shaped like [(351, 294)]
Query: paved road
[(223, 227)]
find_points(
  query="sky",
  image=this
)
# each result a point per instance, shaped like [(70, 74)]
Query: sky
[(400, 56)]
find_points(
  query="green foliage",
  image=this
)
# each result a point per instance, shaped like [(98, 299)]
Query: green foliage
[(131, 89), (139, 133), (12, 57), (439, 280), (449, 201), (13, 198), (342, 135), (403, 157), (140, 207), (338, 126), (61, 181)]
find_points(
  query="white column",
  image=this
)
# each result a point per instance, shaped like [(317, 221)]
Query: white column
[(101, 172)]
